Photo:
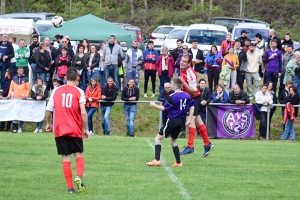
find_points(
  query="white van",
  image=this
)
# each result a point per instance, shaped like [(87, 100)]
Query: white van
[(207, 35)]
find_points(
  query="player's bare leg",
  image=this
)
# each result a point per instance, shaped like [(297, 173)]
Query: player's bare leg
[(156, 161), (203, 132), (79, 171)]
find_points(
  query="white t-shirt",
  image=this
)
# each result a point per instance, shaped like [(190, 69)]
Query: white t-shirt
[(16, 47), (194, 52)]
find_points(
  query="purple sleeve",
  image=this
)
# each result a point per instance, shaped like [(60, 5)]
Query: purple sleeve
[(167, 106)]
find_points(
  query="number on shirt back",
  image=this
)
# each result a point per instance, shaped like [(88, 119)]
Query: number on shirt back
[(67, 100), (182, 104)]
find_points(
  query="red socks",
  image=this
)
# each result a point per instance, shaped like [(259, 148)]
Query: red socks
[(191, 138), (68, 174), (204, 135), (79, 166)]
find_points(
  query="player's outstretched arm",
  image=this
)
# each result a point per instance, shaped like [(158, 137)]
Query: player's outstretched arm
[(152, 104), (84, 121), (48, 118), (191, 113)]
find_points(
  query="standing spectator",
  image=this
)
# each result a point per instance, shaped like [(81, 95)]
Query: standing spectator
[(13, 61), (19, 88), (58, 42), (272, 108), (39, 92), (63, 63), (43, 61), (177, 62), (264, 100), (5, 91), (92, 95), (53, 54), (289, 55), (220, 96), (130, 93), (283, 96), (86, 45), (247, 44), (251, 73), (226, 44), (121, 71), (233, 62), (260, 48), (163, 97), (133, 62), (78, 62), (165, 67), (65, 44), (290, 114), (175, 54), (238, 96), (92, 63), (150, 57), (33, 48), (244, 37), (22, 55), (6, 54), (112, 53), (212, 67), (274, 36), (292, 71), (286, 42), (273, 60), (241, 53), (109, 93), (198, 58), (205, 99), (102, 65)]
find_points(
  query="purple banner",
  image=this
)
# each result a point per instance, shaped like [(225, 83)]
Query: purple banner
[(235, 122)]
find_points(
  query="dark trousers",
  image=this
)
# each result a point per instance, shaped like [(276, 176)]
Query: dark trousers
[(263, 124), (281, 86), (164, 78), (8, 125), (272, 76), (147, 74), (240, 79), (51, 72), (213, 75)]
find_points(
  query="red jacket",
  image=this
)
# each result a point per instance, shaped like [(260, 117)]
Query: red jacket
[(95, 94), (289, 113), (224, 47), (170, 63)]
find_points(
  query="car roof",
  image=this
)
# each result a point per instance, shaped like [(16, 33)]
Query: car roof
[(251, 25), (47, 22), (27, 14), (209, 27), (127, 26), (232, 18)]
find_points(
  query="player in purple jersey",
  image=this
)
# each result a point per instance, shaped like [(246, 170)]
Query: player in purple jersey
[(177, 105)]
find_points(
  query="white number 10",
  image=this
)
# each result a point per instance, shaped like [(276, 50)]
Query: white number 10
[(182, 105), (67, 100)]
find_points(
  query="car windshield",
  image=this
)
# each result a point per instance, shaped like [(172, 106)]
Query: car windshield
[(43, 27), (35, 19), (177, 34), (251, 35), (164, 30), (49, 17), (206, 37)]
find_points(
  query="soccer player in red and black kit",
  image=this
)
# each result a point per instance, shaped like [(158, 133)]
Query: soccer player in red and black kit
[(189, 85), (68, 104), (177, 105)]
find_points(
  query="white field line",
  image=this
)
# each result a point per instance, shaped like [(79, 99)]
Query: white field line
[(172, 176)]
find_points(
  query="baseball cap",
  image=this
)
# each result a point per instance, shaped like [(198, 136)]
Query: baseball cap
[(244, 31)]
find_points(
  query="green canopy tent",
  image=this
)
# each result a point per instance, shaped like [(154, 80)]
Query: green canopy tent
[(90, 27)]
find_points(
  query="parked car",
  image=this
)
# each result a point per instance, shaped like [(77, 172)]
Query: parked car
[(43, 25), (29, 15), (296, 45), (174, 35), (207, 35), (159, 34)]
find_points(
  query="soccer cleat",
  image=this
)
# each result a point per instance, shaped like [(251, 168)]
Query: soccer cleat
[(153, 95), (80, 185), (145, 95), (207, 149), (20, 130), (154, 163), (177, 164), (187, 150), (71, 190), (36, 130)]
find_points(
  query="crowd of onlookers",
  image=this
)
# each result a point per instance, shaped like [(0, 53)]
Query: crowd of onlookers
[(101, 73)]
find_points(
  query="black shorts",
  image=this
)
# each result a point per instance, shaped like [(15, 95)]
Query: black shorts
[(197, 100), (172, 127), (67, 145)]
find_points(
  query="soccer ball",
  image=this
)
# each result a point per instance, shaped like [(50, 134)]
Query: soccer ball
[(57, 21)]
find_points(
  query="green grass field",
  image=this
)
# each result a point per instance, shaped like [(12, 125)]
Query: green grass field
[(115, 169)]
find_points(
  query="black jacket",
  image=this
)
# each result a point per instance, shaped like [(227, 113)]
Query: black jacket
[(175, 53), (70, 51), (204, 95), (10, 53), (279, 46), (294, 100), (6, 87), (42, 61), (242, 39), (242, 58), (95, 61), (110, 94), (127, 93), (33, 48), (74, 60), (199, 56), (163, 95), (241, 96), (283, 95), (68, 62)]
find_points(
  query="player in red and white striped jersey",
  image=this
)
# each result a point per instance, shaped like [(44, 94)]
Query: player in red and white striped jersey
[(189, 80)]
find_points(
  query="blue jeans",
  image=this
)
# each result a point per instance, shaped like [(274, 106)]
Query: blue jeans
[(39, 125), (133, 74), (296, 81), (3, 71), (203, 116), (43, 76), (164, 78), (130, 113), (102, 78), (34, 73), (113, 71), (272, 76), (90, 111), (288, 131), (13, 68), (105, 111), (94, 74), (83, 79), (21, 123)]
